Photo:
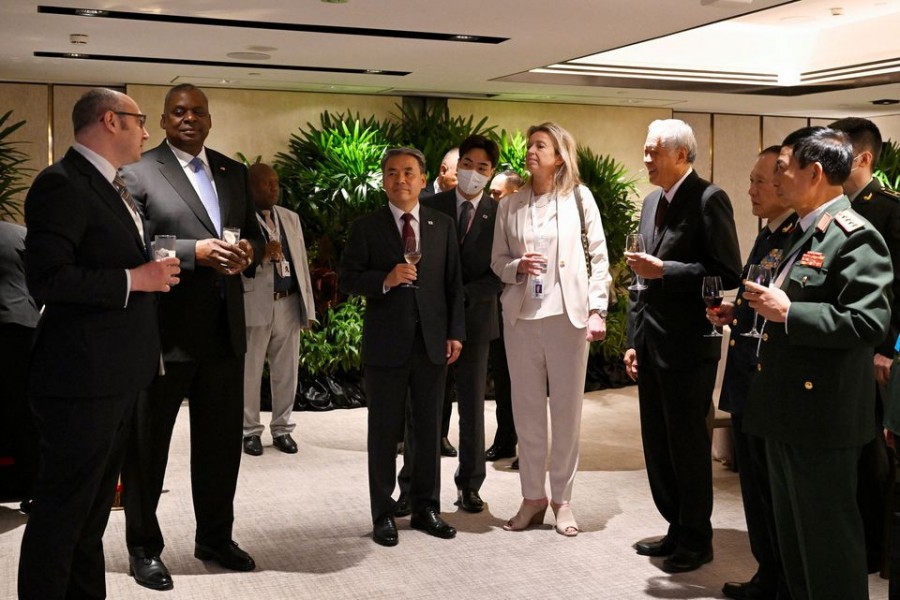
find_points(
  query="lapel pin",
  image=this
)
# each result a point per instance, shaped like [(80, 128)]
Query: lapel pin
[(431, 222), (484, 216)]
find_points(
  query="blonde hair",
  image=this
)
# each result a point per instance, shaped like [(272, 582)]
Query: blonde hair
[(566, 177)]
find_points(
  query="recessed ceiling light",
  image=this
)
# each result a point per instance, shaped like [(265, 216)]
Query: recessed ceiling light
[(262, 48), (374, 71), (78, 38), (254, 74), (90, 12), (885, 101), (249, 55), (464, 38)]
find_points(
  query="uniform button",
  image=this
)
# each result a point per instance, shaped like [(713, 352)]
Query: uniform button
[(765, 337), (731, 342), (738, 301), (759, 367), (808, 385), (734, 323)]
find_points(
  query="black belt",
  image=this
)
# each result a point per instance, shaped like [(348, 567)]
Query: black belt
[(280, 295)]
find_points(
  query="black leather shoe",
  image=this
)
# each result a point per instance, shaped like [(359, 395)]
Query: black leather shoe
[(749, 590), (683, 560), (402, 507), (469, 501), (384, 531), (252, 445), (150, 572), (662, 547), (431, 523), (229, 556), (447, 448), (285, 443), (496, 452), (515, 465)]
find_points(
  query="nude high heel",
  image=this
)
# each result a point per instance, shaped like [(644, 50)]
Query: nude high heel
[(531, 513), (565, 520)]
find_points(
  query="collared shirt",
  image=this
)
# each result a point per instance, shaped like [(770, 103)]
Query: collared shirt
[(184, 159), (670, 193)]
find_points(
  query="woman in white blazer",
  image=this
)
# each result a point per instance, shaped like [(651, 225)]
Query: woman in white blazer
[(552, 309)]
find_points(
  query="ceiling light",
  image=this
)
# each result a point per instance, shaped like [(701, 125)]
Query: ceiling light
[(262, 48), (464, 38), (335, 1), (837, 11), (373, 71), (78, 38), (885, 102), (90, 12)]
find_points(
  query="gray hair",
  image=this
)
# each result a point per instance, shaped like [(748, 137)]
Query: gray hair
[(404, 151), (674, 134)]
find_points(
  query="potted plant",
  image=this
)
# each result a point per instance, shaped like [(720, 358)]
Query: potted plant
[(11, 170)]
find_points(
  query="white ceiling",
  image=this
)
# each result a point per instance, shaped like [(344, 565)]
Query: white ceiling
[(777, 37)]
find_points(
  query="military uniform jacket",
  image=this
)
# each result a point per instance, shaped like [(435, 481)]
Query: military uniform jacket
[(768, 250), (814, 385)]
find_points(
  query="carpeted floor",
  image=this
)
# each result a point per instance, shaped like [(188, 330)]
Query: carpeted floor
[(305, 519)]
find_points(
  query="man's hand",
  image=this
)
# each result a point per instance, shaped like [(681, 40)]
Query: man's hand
[(596, 328), (156, 275), (889, 439), (882, 368), (771, 303), (400, 274), (723, 315), (454, 347), (645, 265), (631, 364), (226, 259), (532, 263)]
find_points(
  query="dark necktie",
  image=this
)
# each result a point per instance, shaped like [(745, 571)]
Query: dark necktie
[(661, 210), (136, 215), (464, 216), (408, 231)]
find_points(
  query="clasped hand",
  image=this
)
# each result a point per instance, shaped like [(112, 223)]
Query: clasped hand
[(156, 275), (400, 274), (645, 265), (532, 263), (227, 259), (771, 303)]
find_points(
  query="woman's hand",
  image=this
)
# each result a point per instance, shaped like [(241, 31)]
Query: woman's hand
[(596, 328), (532, 263)]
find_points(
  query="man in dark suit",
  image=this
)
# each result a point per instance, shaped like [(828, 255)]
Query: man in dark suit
[(96, 346), (194, 193), (814, 394), (882, 209), (474, 212), (740, 369), (688, 228), (410, 335)]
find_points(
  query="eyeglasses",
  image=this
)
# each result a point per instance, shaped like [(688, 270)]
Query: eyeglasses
[(142, 119)]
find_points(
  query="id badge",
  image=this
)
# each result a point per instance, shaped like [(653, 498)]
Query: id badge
[(537, 288), (284, 268)]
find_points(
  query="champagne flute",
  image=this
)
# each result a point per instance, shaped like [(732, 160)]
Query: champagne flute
[(412, 253), (763, 276), (634, 242), (713, 295)]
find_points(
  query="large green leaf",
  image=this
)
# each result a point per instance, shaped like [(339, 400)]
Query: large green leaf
[(11, 170)]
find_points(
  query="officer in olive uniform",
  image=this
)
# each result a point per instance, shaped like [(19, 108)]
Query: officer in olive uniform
[(813, 396), (881, 208), (740, 368)]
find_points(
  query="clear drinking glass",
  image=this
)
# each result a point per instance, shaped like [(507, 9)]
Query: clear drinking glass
[(634, 242), (763, 276), (163, 246), (412, 253), (713, 295)]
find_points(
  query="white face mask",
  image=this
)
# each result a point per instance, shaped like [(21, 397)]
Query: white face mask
[(470, 181)]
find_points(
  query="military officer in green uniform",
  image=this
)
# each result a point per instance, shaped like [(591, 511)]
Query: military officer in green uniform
[(813, 396)]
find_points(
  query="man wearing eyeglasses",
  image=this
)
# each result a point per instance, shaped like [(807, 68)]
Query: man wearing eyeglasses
[(194, 193), (96, 345)]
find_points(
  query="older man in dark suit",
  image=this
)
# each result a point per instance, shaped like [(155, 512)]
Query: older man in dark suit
[(813, 397), (688, 227), (96, 346), (194, 193), (410, 334)]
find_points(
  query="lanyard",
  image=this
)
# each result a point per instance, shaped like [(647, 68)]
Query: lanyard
[(538, 232), (274, 234)]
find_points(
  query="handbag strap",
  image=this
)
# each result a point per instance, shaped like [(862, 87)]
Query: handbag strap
[(584, 238)]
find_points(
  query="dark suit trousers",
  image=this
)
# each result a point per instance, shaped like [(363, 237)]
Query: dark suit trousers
[(875, 481), (19, 436), (387, 389), (214, 388), (505, 437), (470, 371), (820, 531), (757, 497), (83, 443), (677, 448)]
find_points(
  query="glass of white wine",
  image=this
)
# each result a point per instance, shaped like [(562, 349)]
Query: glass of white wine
[(634, 242), (412, 253)]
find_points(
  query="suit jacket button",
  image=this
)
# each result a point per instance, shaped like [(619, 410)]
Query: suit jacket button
[(731, 342), (562, 264), (759, 367), (733, 323), (738, 301), (808, 385), (765, 337)]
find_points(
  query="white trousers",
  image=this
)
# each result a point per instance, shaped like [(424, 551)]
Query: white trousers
[(538, 351), (279, 341)]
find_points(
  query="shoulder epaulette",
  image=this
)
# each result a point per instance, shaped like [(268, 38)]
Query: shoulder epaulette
[(892, 194), (849, 221)]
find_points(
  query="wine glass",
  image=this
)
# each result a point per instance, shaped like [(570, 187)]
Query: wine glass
[(412, 253), (763, 276), (634, 242), (713, 294)]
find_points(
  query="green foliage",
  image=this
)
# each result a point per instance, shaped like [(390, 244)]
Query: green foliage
[(512, 152), (247, 162), (11, 170), (888, 168), (335, 344), (613, 191)]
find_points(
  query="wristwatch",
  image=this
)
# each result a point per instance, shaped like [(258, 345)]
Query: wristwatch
[(598, 311)]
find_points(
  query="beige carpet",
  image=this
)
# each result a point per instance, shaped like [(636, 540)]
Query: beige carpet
[(305, 519)]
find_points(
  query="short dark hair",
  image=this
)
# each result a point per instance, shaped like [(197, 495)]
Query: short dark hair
[(828, 147), (863, 134), (92, 105), (404, 151), (476, 141), (182, 87), (773, 149)]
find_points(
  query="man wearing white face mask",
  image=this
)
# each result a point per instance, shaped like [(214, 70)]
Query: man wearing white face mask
[(474, 213)]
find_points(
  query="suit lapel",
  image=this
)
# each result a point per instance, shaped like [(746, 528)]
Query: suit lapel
[(482, 214), (648, 224), (173, 172), (390, 231)]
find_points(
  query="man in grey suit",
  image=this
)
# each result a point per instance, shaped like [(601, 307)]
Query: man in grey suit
[(278, 303), (192, 192), (410, 335)]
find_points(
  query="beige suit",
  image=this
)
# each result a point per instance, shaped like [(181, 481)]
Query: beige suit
[(273, 331), (551, 349)]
